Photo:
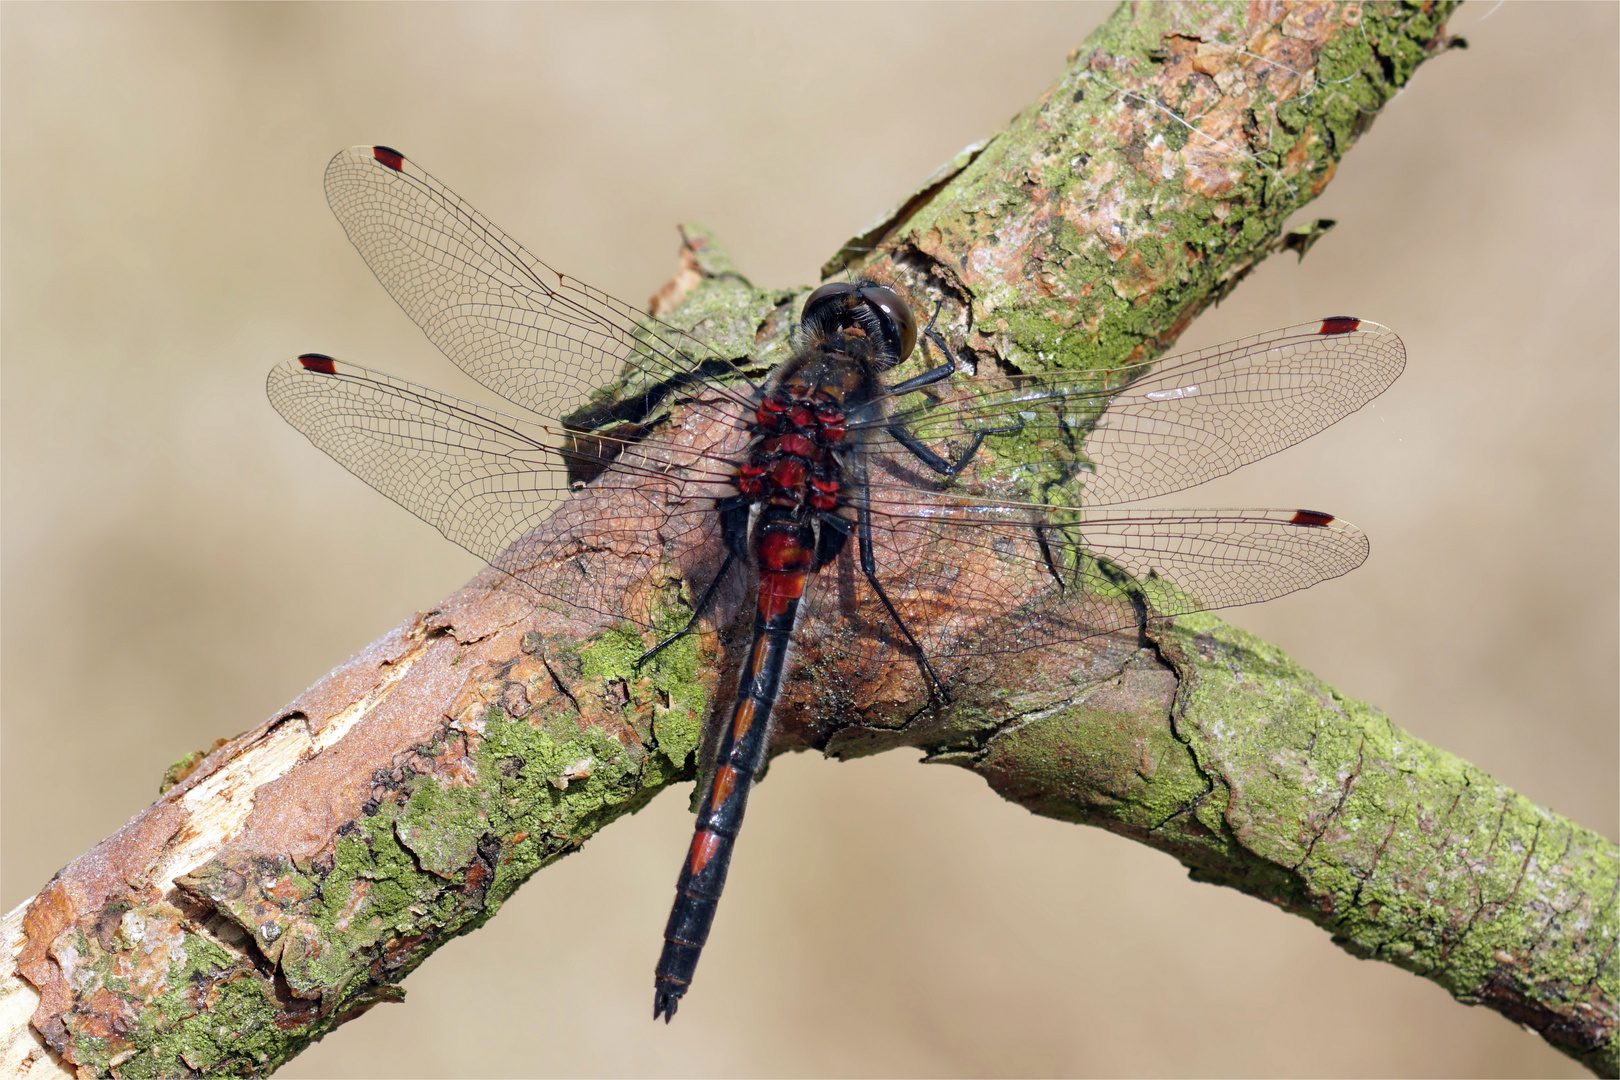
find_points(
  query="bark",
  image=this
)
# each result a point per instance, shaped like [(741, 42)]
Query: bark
[(289, 880)]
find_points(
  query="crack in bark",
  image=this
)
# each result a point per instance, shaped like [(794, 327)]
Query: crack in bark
[(1447, 941), (558, 684), (1552, 920), (1344, 796), (1362, 877), (1017, 722)]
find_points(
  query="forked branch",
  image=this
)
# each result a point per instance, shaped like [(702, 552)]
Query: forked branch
[(296, 874)]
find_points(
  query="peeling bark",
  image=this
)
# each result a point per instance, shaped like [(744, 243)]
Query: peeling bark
[(288, 880)]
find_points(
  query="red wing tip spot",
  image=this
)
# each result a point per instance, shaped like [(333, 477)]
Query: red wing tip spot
[(1339, 324), (314, 361), (389, 157), (1314, 518)]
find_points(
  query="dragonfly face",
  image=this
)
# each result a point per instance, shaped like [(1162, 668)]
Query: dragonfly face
[(976, 519), (865, 307)]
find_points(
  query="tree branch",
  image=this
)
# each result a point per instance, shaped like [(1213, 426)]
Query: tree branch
[(296, 874)]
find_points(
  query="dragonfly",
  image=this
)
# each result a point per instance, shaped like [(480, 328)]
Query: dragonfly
[(959, 514)]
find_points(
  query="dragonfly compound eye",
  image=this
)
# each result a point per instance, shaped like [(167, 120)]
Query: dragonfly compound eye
[(831, 289), (898, 325), (892, 316)]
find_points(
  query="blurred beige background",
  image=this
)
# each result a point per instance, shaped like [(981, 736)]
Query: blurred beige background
[(178, 563)]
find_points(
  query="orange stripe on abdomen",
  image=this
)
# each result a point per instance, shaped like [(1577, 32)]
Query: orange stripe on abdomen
[(743, 720), (705, 845), (725, 782), (777, 591)]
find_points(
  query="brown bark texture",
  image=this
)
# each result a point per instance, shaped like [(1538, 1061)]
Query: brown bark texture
[(288, 881)]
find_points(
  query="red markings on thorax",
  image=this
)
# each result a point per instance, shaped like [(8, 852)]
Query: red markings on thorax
[(793, 464), (824, 493), (796, 443), (750, 479)]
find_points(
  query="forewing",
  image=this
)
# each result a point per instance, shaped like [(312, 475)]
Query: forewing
[(538, 338), (1124, 435)]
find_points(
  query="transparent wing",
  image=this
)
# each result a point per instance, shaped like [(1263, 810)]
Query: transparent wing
[(975, 580), (485, 479), (1131, 433), (538, 338), (967, 559), (973, 577), (1194, 559)]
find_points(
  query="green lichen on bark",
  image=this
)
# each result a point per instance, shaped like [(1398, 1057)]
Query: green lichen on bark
[(261, 953), (188, 1004), (1288, 791), (1158, 171), (451, 834)]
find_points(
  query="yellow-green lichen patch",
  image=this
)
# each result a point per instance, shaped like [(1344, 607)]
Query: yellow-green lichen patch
[(1151, 177), (226, 1029), (1403, 851), (185, 1005), (1098, 764), (180, 770), (664, 699), (448, 835)]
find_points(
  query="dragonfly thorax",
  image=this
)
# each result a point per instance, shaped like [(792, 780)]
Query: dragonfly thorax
[(792, 470)]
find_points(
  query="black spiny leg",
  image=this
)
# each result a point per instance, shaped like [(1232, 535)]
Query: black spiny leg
[(863, 533), (697, 613), (932, 375), (920, 451), (1046, 557), (733, 511), (928, 378)]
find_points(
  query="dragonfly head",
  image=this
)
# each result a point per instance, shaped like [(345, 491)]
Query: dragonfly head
[(865, 306)]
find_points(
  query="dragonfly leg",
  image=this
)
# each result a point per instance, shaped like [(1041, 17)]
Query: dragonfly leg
[(1046, 557), (869, 569), (922, 453), (927, 378), (932, 375), (697, 612)]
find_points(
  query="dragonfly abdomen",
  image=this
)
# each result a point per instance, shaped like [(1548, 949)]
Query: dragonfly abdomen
[(786, 556)]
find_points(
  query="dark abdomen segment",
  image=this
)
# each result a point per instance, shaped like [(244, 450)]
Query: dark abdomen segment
[(785, 557)]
